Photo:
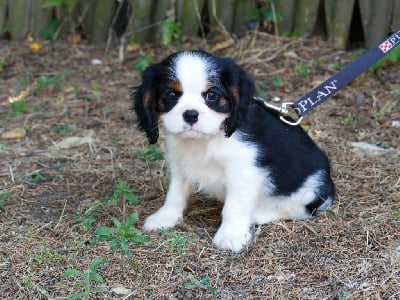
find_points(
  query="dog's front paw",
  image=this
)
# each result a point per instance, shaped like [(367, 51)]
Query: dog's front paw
[(162, 219), (233, 240)]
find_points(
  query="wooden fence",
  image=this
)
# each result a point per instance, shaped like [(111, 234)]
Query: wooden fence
[(141, 20)]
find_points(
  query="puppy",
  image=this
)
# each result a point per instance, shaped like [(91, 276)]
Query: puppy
[(222, 143)]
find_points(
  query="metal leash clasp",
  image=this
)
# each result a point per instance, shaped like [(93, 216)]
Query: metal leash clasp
[(282, 110)]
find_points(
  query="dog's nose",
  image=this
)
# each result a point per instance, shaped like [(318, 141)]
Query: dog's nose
[(191, 116)]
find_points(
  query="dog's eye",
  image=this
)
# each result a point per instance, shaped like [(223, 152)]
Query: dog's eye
[(171, 95), (211, 96)]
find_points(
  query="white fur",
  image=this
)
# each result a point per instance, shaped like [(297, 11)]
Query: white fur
[(192, 74), (202, 159)]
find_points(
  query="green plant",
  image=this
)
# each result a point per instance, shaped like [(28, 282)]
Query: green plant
[(17, 108), (96, 92), (88, 279), (302, 69), (170, 31), (123, 192), (119, 140), (348, 119), (3, 196), (265, 13), (51, 32), (151, 155), (120, 236), (178, 243), (54, 3), (89, 217), (392, 57), (61, 129), (294, 33), (277, 81), (44, 255), (142, 62), (35, 178), (192, 282), (56, 81), (3, 63)]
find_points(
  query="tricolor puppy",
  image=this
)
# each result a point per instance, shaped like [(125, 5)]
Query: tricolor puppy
[(222, 143)]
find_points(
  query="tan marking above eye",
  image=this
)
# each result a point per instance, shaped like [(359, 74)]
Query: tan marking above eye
[(176, 85), (235, 93), (208, 86), (148, 99)]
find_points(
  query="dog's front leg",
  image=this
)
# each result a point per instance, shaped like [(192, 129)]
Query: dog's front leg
[(171, 213), (237, 217)]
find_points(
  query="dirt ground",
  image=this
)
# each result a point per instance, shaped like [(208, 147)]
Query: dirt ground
[(349, 252)]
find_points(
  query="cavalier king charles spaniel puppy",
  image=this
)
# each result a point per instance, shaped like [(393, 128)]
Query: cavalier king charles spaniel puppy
[(219, 141)]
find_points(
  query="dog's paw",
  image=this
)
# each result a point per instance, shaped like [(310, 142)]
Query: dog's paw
[(234, 240), (162, 219)]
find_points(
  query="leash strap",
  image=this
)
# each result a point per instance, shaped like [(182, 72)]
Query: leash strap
[(305, 104), (318, 95)]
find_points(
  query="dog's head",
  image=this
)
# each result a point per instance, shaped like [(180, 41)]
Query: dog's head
[(195, 94)]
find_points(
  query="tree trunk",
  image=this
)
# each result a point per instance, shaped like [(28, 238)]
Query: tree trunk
[(189, 13)]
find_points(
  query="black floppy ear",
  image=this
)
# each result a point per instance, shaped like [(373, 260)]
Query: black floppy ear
[(145, 103), (241, 91)]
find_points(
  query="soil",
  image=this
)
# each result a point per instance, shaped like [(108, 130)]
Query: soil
[(351, 251)]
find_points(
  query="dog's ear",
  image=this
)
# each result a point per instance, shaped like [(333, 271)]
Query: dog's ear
[(241, 88), (145, 102)]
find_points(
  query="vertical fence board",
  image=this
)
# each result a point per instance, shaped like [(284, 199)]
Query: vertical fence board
[(157, 15), (3, 5), (39, 18), (306, 15), (338, 20), (224, 14), (103, 12), (286, 12), (242, 16), (395, 26), (19, 18), (140, 20), (375, 16), (188, 13)]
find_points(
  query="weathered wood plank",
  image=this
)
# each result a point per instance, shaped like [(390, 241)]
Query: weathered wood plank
[(19, 18), (3, 6), (242, 16), (189, 13), (286, 12), (375, 16), (157, 15), (140, 20), (395, 26), (306, 15), (221, 14), (338, 20), (102, 12), (39, 18)]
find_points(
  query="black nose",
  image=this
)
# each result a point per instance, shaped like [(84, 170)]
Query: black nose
[(191, 116)]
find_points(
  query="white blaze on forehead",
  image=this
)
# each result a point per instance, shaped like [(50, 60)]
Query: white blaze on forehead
[(191, 71)]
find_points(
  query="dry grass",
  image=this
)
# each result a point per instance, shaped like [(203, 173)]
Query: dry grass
[(349, 252)]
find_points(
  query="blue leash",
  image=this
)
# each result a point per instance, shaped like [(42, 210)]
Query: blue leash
[(318, 95)]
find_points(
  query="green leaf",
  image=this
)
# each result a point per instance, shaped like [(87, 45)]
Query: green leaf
[(72, 272), (96, 277), (132, 219), (104, 233), (117, 223), (124, 246), (140, 239), (132, 199), (96, 262)]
